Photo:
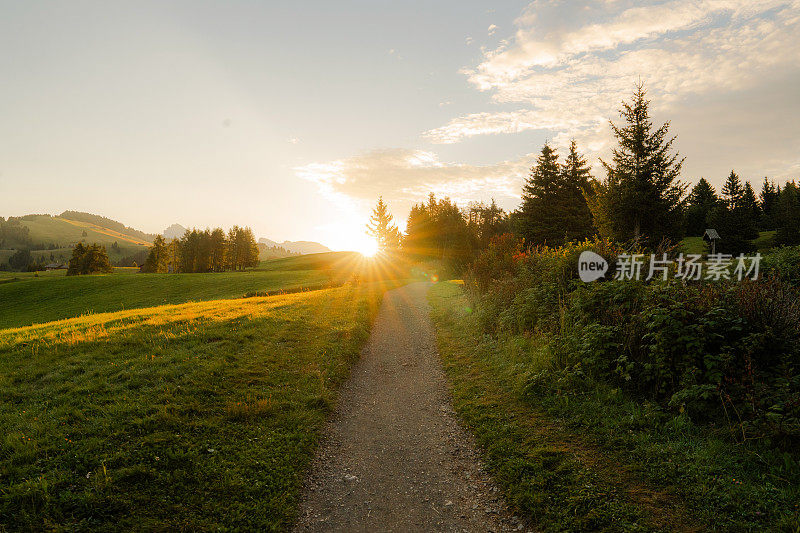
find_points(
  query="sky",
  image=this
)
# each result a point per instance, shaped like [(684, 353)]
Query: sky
[(293, 117)]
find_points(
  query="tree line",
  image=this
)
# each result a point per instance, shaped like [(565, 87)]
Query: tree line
[(640, 199), (204, 251)]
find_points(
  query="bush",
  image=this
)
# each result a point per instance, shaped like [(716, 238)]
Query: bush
[(720, 352), (783, 262)]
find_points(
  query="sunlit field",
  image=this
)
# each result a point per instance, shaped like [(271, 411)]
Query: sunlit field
[(179, 417), (32, 300)]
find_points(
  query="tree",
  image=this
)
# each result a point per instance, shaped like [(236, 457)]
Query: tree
[(486, 222), (157, 259), (736, 217), (217, 247), (751, 211), (540, 219), (576, 186), (732, 191), (788, 232), (438, 229), (642, 197), (381, 228), (702, 200), (20, 260), (770, 195), (89, 259), (242, 249)]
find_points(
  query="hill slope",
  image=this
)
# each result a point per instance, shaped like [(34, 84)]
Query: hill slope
[(52, 237)]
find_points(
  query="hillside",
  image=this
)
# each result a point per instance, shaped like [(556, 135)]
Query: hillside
[(51, 238)]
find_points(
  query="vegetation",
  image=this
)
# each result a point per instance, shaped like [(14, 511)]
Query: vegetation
[(382, 229), (554, 208), (201, 416), (204, 251), (108, 223), (51, 239), (642, 197), (583, 435), (91, 259), (30, 300)]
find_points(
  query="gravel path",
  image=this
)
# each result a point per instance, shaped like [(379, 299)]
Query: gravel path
[(394, 457)]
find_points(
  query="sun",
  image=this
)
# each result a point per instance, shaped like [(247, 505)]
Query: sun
[(367, 247)]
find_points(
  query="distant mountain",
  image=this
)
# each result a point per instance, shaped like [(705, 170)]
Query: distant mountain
[(175, 231), (297, 247)]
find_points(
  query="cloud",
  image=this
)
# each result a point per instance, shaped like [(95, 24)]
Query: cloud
[(566, 69), (492, 29), (408, 176)]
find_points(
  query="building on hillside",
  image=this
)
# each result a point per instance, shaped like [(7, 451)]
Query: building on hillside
[(55, 266)]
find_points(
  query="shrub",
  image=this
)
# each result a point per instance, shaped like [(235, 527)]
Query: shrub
[(724, 352), (784, 263)]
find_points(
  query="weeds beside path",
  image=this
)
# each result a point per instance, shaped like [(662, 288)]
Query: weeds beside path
[(552, 476)]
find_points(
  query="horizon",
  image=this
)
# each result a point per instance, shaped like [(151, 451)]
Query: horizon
[(146, 109)]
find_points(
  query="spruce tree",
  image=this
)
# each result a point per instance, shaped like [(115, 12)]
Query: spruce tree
[(732, 191), (382, 229), (576, 185), (539, 214), (788, 232), (751, 211), (770, 195), (642, 197), (157, 258), (736, 217), (702, 201)]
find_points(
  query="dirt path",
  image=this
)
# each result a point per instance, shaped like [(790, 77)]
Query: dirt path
[(395, 458)]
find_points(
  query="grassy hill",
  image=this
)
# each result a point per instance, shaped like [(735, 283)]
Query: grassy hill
[(200, 416), (56, 234)]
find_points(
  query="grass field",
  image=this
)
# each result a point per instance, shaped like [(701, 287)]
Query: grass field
[(200, 416), (586, 458), (31, 300)]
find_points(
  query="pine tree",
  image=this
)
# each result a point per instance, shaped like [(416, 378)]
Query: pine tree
[(736, 217), (576, 185), (157, 258), (381, 228), (540, 218), (751, 211), (770, 195), (788, 232), (642, 197), (702, 200), (732, 191)]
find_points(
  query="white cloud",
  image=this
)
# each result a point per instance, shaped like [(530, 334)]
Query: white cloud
[(492, 29), (566, 69), (408, 176)]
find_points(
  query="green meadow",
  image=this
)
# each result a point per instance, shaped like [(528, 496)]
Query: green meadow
[(29, 298), (196, 416)]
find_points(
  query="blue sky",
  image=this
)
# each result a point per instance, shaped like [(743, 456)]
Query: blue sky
[(292, 117)]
